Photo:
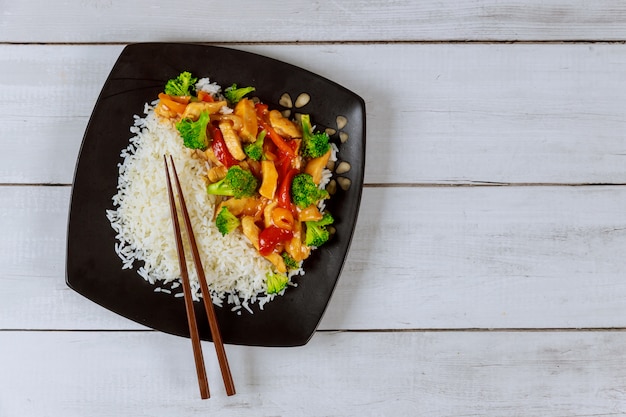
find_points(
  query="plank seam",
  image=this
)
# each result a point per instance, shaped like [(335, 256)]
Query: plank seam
[(411, 330), (343, 42), (399, 184)]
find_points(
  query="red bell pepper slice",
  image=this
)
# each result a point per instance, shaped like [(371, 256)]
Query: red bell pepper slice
[(270, 237), (284, 190), (279, 141), (218, 146)]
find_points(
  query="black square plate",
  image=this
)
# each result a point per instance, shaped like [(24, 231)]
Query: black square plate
[(140, 73)]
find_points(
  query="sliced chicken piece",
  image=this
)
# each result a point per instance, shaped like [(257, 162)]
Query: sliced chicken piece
[(284, 126), (193, 110), (233, 143)]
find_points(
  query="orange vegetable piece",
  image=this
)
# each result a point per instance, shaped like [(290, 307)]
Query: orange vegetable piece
[(172, 104), (270, 179), (316, 166), (245, 109)]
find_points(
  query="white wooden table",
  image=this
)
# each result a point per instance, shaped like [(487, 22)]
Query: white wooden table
[(487, 275)]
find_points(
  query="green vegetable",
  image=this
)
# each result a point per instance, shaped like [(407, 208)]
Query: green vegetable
[(194, 133), (313, 145), (237, 183), (226, 221), (305, 192), (255, 150), (316, 232), (181, 85), (276, 282), (290, 263), (234, 94)]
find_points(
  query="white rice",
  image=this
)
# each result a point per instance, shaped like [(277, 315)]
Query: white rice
[(204, 84), (235, 272)]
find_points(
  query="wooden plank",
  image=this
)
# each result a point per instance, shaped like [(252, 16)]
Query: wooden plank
[(486, 257), (450, 113), (106, 21), (484, 113), (53, 91), (431, 257), (33, 221), (337, 374)]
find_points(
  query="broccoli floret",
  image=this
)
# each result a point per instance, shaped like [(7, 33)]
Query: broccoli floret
[(305, 192), (255, 150), (226, 221), (181, 85), (276, 282), (237, 183), (234, 94), (316, 232), (314, 145), (290, 263), (194, 132)]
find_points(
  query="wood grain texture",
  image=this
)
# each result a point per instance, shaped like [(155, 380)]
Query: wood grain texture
[(299, 20), (507, 114), (366, 374), (533, 254), (432, 257)]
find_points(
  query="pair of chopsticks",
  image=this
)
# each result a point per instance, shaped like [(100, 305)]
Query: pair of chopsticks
[(206, 296)]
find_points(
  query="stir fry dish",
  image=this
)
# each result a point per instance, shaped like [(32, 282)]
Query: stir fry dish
[(268, 171)]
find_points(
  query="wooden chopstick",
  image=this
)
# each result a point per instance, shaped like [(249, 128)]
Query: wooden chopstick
[(191, 316), (206, 295)]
